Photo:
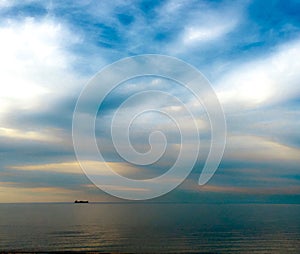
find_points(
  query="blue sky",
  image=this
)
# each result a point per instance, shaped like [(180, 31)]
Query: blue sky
[(249, 50)]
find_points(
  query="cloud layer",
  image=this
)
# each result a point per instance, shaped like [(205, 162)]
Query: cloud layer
[(50, 49)]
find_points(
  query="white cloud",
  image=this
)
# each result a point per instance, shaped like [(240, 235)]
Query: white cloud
[(12, 3), (207, 32), (265, 80), (202, 25), (5, 3), (207, 25), (34, 63)]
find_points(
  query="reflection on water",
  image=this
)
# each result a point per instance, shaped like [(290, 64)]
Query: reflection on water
[(150, 228)]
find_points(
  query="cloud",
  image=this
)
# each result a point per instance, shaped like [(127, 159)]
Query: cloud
[(5, 3), (35, 63), (250, 191), (204, 26), (124, 188), (73, 167), (279, 123), (46, 135), (260, 149), (266, 80), (14, 192), (210, 27), (11, 192), (49, 49)]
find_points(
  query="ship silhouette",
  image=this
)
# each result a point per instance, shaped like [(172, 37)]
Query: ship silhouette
[(81, 201)]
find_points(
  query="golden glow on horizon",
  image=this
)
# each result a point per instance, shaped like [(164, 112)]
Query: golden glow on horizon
[(73, 167)]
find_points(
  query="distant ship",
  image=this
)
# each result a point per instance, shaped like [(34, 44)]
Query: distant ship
[(81, 201)]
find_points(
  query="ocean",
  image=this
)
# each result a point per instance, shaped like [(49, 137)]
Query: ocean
[(150, 228)]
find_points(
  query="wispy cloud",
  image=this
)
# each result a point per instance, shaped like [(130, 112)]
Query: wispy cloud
[(260, 149), (73, 167), (46, 135)]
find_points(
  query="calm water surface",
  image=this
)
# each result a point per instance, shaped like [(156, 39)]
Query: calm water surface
[(150, 228)]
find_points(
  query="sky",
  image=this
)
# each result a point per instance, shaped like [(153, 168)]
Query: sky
[(248, 50)]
